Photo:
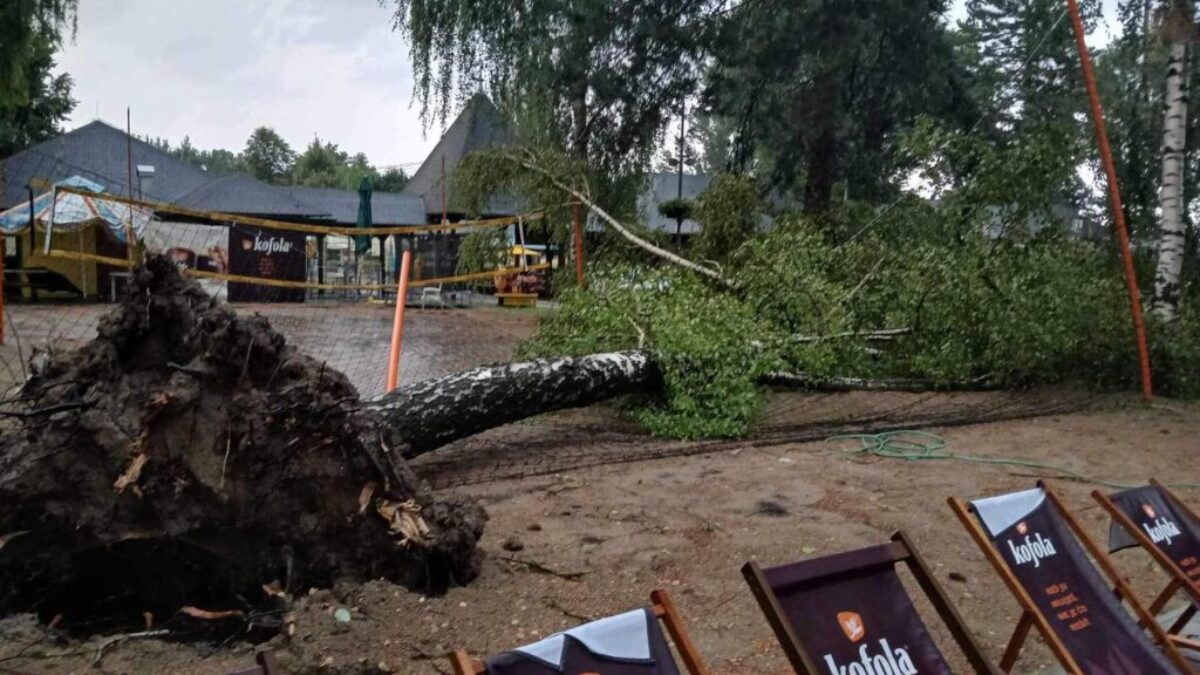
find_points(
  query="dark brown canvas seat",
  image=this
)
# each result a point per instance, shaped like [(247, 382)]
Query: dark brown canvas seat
[(1038, 548), (1154, 518), (849, 614), (631, 643)]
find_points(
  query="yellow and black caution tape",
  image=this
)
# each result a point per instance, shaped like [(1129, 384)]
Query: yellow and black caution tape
[(102, 259), (307, 228), (283, 283)]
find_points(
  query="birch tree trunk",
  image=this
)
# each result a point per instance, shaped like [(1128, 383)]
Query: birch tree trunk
[(1173, 229), (427, 415)]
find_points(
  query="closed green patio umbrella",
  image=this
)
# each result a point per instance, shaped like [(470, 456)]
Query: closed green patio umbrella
[(362, 245)]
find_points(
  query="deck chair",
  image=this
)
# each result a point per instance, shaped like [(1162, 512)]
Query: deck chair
[(626, 644), (432, 294), (850, 613), (1157, 520), (267, 665), (1034, 544)]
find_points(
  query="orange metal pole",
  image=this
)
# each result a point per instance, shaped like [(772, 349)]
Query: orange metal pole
[(1114, 198), (2, 254), (393, 376)]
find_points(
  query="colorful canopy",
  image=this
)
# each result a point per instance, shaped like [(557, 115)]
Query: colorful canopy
[(73, 212)]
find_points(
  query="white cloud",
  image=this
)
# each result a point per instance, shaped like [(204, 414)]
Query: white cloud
[(217, 69)]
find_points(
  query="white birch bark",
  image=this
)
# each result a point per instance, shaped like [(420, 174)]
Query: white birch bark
[(1172, 230)]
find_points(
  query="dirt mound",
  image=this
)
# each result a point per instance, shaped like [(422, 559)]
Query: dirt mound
[(188, 456)]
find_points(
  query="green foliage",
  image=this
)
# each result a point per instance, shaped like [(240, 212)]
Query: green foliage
[(820, 89), (320, 165), (728, 212), (1026, 68), (707, 344), (483, 250), (600, 78), (30, 32), (267, 156), (483, 174), (218, 161), (677, 209), (1175, 356), (1006, 306), (44, 101), (392, 180), (1012, 310)]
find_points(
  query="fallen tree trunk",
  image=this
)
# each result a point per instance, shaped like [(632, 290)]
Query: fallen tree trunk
[(530, 163), (427, 415), (836, 383), (189, 455)]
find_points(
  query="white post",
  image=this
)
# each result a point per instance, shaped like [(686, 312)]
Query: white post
[(49, 223), (521, 235)]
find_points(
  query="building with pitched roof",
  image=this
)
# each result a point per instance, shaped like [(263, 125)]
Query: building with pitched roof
[(479, 126)]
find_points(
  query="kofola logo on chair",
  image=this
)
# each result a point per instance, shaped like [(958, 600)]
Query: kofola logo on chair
[(852, 626), (888, 662), (1033, 549), (1161, 530)]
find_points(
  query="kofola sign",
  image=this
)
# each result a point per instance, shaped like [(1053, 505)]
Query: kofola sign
[(266, 254), (882, 660)]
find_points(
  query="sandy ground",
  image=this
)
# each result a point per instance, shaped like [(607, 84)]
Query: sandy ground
[(584, 543)]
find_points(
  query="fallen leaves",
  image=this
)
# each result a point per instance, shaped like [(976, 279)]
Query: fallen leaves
[(131, 474), (404, 519)]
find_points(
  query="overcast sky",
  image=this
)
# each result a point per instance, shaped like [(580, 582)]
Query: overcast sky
[(216, 69)]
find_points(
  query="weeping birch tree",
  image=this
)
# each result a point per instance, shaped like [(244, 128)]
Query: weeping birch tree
[(1179, 31), (598, 78)]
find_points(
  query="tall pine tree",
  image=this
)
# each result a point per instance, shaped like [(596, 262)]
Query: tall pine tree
[(821, 90)]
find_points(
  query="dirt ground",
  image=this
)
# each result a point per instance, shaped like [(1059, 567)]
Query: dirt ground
[(567, 547)]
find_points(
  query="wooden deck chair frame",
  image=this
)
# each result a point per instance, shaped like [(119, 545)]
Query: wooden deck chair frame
[(1179, 579), (1030, 615), (902, 551), (664, 610)]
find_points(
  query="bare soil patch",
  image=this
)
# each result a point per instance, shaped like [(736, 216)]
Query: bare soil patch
[(565, 547)]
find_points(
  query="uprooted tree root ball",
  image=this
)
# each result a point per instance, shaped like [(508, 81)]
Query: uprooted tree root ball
[(190, 457)]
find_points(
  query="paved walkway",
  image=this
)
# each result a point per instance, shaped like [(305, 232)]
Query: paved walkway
[(351, 337)]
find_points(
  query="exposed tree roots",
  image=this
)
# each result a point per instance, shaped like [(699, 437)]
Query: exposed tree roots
[(188, 456)]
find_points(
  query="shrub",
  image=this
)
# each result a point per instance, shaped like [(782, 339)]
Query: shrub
[(708, 344), (728, 212)]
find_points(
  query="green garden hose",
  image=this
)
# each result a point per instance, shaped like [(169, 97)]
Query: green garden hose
[(913, 445)]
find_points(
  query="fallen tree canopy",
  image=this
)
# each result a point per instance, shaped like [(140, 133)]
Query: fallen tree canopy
[(188, 456)]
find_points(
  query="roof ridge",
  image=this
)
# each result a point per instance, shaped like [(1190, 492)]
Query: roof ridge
[(134, 139)]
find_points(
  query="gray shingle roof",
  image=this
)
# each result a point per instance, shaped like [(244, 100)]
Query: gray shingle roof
[(479, 126), (99, 152), (242, 194), (387, 208)]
